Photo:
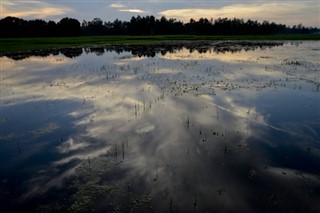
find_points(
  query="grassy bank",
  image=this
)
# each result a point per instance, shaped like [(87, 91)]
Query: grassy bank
[(28, 44)]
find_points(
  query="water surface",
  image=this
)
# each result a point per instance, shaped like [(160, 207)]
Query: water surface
[(219, 127)]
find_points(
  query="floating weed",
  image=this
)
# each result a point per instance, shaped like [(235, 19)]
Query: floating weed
[(171, 204), (9, 102), (195, 203), (227, 151), (217, 112), (115, 151), (252, 174), (188, 122), (205, 137), (220, 191), (89, 189), (88, 194), (293, 62), (135, 110), (156, 177), (216, 133), (89, 161), (122, 150), (82, 204), (141, 202)]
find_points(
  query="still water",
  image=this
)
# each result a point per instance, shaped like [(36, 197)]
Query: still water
[(191, 127)]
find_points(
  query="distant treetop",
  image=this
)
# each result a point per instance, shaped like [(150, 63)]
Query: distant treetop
[(147, 25)]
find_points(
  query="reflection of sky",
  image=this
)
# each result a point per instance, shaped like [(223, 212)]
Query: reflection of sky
[(214, 126)]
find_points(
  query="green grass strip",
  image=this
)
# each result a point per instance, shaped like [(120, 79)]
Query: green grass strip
[(29, 44)]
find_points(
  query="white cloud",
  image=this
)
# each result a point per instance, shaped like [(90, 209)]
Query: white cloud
[(287, 13), (117, 5), (132, 10), (125, 8), (32, 9)]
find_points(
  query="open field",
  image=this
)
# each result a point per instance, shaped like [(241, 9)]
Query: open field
[(28, 44)]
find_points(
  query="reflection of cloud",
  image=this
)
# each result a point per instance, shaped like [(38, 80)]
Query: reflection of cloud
[(83, 156), (293, 13), (34, 9), (240, 54), (8, 64), (38, 63), (185, 54), (11, 69), (132, 58), (52, 60), (56, 181), (72, 145), (292, 174), (129, 107)]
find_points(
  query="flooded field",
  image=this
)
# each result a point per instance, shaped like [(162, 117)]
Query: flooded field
[(187, 127)]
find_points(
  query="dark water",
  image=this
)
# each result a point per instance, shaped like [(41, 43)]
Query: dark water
[(193, 127)]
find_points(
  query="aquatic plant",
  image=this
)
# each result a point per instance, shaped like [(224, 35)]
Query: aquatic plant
[(188, 122), (220, 191)]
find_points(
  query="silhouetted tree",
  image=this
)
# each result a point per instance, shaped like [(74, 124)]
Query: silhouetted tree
[(36, 28), (51, 29), (148, 25), (12, 27), (68, 27)]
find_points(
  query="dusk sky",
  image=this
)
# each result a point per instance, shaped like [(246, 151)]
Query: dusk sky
[(284, 11)]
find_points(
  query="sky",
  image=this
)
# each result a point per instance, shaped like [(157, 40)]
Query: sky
[(289, 12)]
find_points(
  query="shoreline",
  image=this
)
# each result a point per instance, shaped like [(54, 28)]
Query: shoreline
[(149, 49)]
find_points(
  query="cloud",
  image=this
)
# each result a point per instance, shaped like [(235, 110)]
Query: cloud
[(32, 9), (125, 8), (117, 5), (288, 13), (132, 10)]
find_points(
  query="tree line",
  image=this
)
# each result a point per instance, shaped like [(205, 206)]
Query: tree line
[(147, 25)]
